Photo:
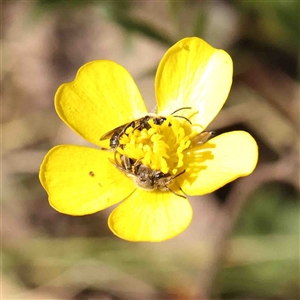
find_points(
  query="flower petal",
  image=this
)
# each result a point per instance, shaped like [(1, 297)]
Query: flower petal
[(102, 97), (193, 73), (150, 216), (81, 180), (219, 161)]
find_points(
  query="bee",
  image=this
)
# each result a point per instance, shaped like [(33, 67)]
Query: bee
[(145, 177), (115, 134), (142, 123), (149, 179)]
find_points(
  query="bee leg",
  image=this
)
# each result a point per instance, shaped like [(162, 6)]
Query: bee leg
[(136, 162), (120, 168), (182, 196), (106, 149), (126, 163), (177, 175), (131, 124)]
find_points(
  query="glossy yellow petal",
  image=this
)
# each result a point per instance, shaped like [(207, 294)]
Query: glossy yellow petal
[(150, 216), (219, 161), (193, 73), (102, 97), (81, 180)]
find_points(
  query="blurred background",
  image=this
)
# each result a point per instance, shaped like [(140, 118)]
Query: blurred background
[(243, 242)]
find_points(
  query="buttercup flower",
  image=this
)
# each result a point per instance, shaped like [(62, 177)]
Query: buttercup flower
[(152, 161)]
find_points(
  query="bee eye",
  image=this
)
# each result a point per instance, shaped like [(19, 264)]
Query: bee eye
[(159, 121), (159, 175)]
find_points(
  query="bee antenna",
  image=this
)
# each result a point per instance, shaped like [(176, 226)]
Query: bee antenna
[(180, 109), (177, 175), (182, 117)]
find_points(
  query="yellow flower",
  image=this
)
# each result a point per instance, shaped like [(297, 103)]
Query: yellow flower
[(193, 78)]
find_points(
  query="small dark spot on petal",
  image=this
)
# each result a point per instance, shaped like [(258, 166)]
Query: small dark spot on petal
[(92, 174), (186, 47)]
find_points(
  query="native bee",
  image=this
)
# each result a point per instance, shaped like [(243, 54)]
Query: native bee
[(142, 123), (145, 177), (115, 134)]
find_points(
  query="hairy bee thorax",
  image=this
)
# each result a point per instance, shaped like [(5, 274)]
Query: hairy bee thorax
[(150, 179)]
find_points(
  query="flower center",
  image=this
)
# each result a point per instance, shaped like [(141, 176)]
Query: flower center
[(162, 146)]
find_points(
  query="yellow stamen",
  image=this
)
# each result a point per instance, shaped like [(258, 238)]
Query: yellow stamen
[(161, 147)]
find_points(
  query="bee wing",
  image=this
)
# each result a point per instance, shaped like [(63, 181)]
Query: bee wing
[(109, 134), (202, 138), (121, 129)]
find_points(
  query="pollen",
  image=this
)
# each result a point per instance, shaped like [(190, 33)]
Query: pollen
[(161, 147)]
